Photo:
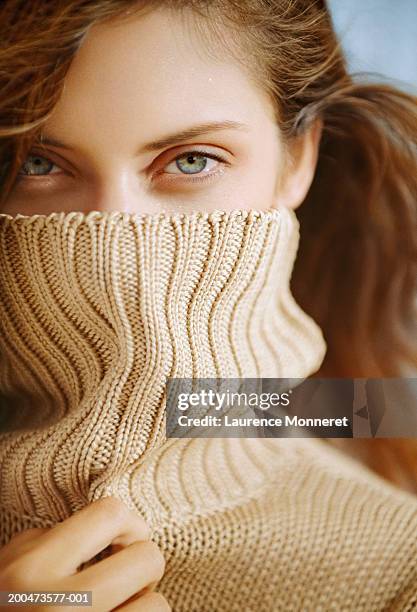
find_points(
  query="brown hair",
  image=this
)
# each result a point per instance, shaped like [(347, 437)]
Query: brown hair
[(356, 268)]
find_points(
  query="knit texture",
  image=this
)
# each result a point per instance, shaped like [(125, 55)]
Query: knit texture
[(96, 311)]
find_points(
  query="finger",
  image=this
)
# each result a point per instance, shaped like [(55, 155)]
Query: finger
[(151, 602), (148, 588), (115, 579), (20, 542), (27, 534), (87, 532)]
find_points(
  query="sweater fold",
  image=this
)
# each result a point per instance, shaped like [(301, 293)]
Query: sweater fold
[(97, 310)]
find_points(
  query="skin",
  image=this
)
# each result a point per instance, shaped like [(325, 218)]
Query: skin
[(133, 83), (137, 81), (48, 559)]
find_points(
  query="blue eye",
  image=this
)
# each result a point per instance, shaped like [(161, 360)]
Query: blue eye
[(36, 165), (197, 165), (194, 162), (191, 163)]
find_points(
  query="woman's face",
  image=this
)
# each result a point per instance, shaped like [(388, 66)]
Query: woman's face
[(150, 122)]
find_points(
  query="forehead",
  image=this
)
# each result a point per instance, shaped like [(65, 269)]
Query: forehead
[(156, 67)]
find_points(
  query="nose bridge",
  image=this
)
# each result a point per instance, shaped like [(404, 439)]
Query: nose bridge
[(119, 189)]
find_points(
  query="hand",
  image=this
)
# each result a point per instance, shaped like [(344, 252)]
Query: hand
[(49, 559)]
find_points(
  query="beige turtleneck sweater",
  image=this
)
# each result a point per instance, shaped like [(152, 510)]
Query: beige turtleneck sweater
[(96, 311)]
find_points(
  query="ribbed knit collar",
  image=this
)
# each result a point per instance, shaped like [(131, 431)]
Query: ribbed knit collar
[(97, 310)]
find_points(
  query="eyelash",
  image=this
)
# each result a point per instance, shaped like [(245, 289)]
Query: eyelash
[(189, 178), (206, 176)]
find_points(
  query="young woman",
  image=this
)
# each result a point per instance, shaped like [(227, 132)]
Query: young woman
[(153, 158)]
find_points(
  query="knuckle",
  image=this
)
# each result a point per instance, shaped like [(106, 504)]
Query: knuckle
[(112, 510), (155, 557), (151, 554), (144, 526)]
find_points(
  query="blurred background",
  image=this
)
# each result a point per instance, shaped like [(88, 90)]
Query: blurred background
[(379, 36)]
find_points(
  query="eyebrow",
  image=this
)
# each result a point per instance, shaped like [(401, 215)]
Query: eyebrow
[(177, 138)]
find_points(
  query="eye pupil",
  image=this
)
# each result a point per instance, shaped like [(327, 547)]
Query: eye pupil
[(191, 163), (36, 164)]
